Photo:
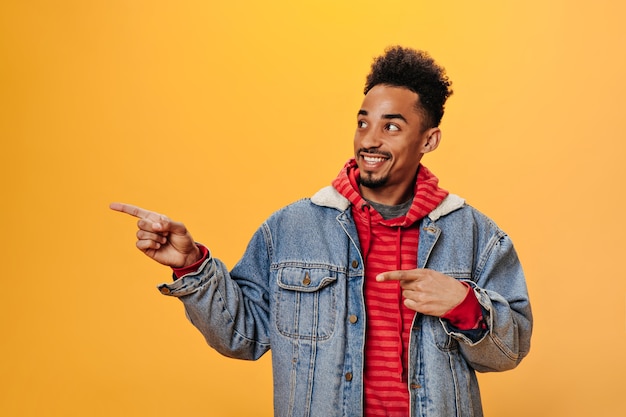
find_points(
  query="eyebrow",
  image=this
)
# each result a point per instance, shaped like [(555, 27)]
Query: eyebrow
[(385, 116), (395, 116)]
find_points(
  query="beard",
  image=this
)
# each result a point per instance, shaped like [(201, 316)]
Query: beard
[(367, 178), (369, 181)]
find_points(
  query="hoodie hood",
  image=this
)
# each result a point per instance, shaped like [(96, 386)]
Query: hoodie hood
[(330, 197), (426, 197)]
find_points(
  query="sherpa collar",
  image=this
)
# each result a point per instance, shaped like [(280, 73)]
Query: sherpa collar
[(330, 197)]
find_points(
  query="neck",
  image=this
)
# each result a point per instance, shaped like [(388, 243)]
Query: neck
[(386, 196)]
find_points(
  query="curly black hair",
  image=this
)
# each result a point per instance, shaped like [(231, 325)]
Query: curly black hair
[(417, 71)]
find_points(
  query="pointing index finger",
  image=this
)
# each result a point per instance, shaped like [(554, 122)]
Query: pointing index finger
[(402, 275), (130, 209)]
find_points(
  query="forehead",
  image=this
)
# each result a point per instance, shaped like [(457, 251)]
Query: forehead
[(385, 99)]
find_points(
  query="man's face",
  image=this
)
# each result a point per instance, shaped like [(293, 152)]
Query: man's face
[(389, 143)]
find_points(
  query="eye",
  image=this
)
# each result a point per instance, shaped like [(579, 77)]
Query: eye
[(361, 124), (392, 128)]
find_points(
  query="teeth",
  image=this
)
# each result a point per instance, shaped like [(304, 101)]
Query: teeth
[(372, 160)]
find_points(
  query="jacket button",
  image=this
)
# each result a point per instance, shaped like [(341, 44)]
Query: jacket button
[(349, 376), (307, 279), (415, 386), (355, 263), (353, 319)]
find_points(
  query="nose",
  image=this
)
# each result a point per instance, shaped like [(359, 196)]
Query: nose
[(369, 139)]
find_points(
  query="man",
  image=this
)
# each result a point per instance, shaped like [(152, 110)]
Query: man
[(382, 294)]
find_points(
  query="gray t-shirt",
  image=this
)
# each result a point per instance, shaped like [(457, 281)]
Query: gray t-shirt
[(391, 212)]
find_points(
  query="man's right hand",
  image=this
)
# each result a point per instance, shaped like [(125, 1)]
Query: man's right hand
[(164, 240)]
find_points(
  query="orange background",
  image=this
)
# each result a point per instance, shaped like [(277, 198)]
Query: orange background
[(218, 114)]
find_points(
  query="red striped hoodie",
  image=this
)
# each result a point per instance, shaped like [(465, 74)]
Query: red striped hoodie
[(387, 245)]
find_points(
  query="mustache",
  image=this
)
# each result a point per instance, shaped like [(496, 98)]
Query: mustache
[(374, 151)]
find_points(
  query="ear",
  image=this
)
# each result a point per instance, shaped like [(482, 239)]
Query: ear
[(432, 137)]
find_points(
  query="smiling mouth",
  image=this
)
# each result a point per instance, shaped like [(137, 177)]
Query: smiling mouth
[(373, 159)]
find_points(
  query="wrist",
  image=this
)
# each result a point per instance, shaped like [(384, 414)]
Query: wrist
[(468, 314), (193, 257), (188, 268)]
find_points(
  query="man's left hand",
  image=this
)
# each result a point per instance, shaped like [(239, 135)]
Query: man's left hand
[(427, 291)]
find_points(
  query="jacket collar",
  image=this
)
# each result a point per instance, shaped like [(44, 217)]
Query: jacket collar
[(330, 197)]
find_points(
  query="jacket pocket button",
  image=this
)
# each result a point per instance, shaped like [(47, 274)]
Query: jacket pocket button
[(355, 263), (307, 279)]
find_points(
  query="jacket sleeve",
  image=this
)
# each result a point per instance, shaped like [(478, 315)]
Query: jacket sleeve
[(230, 309), (500, 288)]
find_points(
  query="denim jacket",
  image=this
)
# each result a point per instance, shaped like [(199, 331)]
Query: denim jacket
[(298, 289)]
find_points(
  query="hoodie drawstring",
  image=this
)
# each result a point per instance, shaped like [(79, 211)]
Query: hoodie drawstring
[(368, 237), (399, 320)]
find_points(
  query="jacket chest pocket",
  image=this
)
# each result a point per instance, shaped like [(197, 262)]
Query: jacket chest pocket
[(306, 304)]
